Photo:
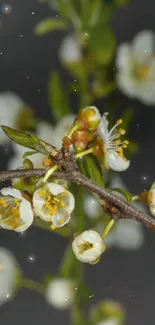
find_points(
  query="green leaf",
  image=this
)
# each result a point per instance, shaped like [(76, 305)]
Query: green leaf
[(26, 119), (90, 167), (102, 44), (29, 141), (28, 153), (127, 119), (125, 193), (49, 25), (58, 97)]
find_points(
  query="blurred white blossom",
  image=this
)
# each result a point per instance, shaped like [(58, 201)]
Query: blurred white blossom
[(136, 67), (92, 207), (126, 234), (88, 246), (53, 203), (15, 211), (60, 293), (10, 107), (8, 275), (70, 50)]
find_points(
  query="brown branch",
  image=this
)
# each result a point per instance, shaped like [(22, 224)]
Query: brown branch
[(126, 210)]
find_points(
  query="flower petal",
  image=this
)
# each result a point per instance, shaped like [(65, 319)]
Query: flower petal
[(56, 189), (124, 57), (143, 43), (116, 162), (26, 215), (103, 127), (60, 219), (126, 83), (12, 192)]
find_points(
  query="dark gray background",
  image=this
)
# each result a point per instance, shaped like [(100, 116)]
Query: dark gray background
[(128, 277)]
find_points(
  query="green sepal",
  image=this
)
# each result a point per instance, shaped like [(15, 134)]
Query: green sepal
[(49, 25)]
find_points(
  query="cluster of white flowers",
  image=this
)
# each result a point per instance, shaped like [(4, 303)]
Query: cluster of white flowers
[(52, 203)]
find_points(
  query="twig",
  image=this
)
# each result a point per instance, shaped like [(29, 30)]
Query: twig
[(126, 210)]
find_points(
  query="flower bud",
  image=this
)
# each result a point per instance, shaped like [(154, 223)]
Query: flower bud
[(81, 139), (60, 293), (88, 246), (148, 197), (88, 119)]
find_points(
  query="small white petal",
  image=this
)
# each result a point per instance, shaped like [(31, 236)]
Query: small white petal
[(57, 219), (89, 255), (103, 127), (70, 50), (26, 215), (146, 92), (60, 293), (97, 115), (55, 189), (38, 204), (124, 57), (116, 162), (143, 43), (12, 192)]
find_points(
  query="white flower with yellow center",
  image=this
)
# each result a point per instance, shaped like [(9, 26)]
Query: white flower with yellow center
[(150, 198), (53, 203), (88, 246), (112, 146), (60, 293), (8, 275), (136, 67), (15, 211)]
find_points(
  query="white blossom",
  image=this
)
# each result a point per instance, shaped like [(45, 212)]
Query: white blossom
[(136, 67), (8, 275), (88, 246), (109, 321), (112, 146), (70, 50), (54, 204), (60, 293), (10, 107), (15, 211)]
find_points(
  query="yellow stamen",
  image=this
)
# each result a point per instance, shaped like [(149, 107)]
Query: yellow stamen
[(53, 227), (122, 131), (62, 221), (120, 121), (143, 72), (85, 247)]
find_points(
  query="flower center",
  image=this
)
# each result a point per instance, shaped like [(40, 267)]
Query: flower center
[(53, 203), (142, 72), (10, 211), (85, 247)]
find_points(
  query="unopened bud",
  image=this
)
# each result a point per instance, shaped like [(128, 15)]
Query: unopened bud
[(81, 139), (88, 119)]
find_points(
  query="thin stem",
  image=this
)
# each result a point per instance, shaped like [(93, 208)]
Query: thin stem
[(125, 210), (108, 228), (49, 173), (83, 153), (32, 285), (73, 129)]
